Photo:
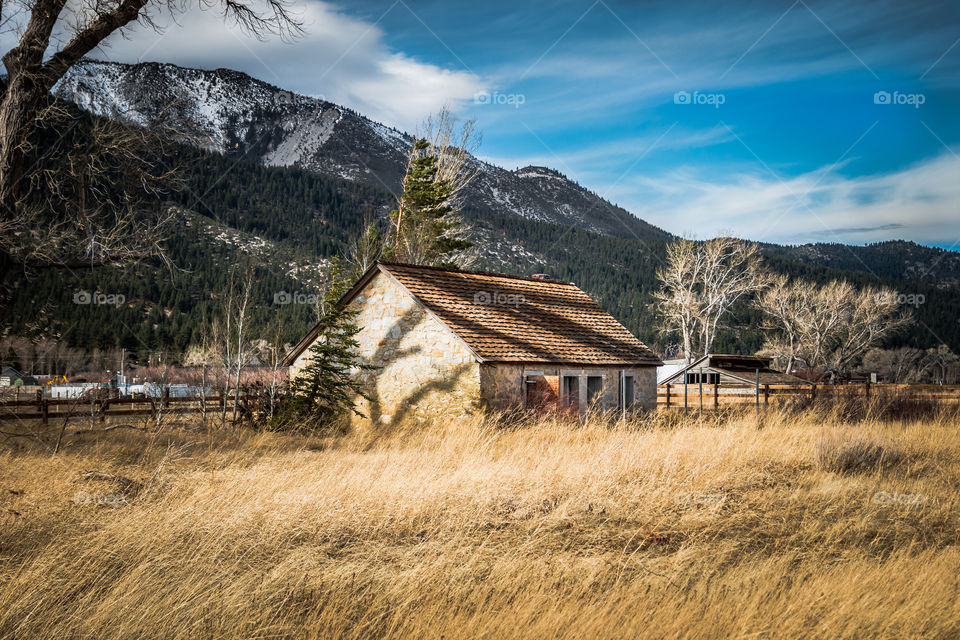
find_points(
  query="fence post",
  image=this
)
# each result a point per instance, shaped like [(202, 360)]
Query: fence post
[(866, 389), (757, 392), (166, 397), (668, 394), (716, 395), (44, 411), (813, 392), (766, 395)]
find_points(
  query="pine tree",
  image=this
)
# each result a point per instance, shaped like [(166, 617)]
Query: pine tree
[(424, 222), (327, 388)]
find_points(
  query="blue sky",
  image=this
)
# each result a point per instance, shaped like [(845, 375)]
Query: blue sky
[(777, 121)]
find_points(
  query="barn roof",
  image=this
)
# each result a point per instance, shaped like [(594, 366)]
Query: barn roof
[(504, 318), (744, 368)]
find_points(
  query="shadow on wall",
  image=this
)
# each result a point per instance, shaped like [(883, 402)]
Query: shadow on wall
[(387, 352)]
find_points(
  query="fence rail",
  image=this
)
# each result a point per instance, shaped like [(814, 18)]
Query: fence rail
[(712, 396), (709, 396), (101, 407)]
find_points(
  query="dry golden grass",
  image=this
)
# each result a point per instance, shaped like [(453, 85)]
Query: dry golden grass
[(709, 529)]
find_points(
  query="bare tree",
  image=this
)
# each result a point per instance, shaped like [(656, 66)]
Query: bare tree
[(679, 280), (365, 250), (785, 305), (903, 365), (829, 327), (701, 283), (229, 333), (869, 316), (202, 355), (448, 146), (731, 271), (239, 315), (272, 350), (453, 143), (34, 65), (941, 365)]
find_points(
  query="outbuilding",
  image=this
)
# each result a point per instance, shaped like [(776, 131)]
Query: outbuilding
[(448, 342)]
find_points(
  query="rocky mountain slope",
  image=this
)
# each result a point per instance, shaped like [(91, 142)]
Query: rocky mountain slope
[(244, 118), (232, 113)]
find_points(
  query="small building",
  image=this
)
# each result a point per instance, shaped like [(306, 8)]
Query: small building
[(449, 342), (10, 377), (668, 368), (725, 370)]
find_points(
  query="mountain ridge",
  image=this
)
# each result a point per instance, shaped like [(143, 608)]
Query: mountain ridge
[(242, 117), (232, 113)]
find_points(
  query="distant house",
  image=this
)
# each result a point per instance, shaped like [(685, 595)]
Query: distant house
[(451, 342), (725, 370), (10, 377)]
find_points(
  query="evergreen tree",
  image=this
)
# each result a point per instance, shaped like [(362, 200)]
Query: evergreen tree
[(327, 388), (425, 222)]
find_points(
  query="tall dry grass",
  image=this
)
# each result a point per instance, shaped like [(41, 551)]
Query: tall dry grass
[(652, 528)]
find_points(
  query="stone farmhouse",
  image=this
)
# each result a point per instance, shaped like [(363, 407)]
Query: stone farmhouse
[(449, 342)]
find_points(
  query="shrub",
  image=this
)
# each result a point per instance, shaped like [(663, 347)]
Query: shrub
[(843, 453)]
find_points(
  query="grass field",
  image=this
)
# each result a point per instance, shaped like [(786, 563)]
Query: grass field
[(805, 528)]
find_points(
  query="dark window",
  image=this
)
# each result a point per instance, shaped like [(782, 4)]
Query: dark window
[(571, 390), (594, 388), (708, 378)]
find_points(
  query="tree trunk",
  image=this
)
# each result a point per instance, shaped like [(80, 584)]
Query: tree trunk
[(16, 124)]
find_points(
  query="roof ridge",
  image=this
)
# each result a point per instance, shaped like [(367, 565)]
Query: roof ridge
[(474, 273)]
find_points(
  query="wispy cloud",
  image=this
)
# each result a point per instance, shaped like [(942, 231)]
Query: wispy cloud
[(921, 202), (602, 157)]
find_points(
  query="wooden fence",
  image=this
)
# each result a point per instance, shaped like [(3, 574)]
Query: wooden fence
[(709, 396), (713, 396), (100, 406)]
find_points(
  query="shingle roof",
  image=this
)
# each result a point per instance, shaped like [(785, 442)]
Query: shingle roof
[(743, 367), (505, 318), (517, 319)]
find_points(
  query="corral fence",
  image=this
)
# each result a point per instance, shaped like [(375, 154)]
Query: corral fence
[(107, 404), (713, 396)]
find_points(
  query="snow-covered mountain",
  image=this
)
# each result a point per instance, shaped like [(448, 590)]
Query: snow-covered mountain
[(235, 114)]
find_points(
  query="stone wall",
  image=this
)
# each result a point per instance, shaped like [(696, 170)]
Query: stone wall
[(645, 387), (425, 370), (503, 386)]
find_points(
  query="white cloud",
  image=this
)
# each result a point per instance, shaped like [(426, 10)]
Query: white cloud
[(920, 202), (340, 58), (611, 157)]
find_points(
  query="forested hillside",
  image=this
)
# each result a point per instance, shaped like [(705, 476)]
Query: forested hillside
[(284, 223)]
